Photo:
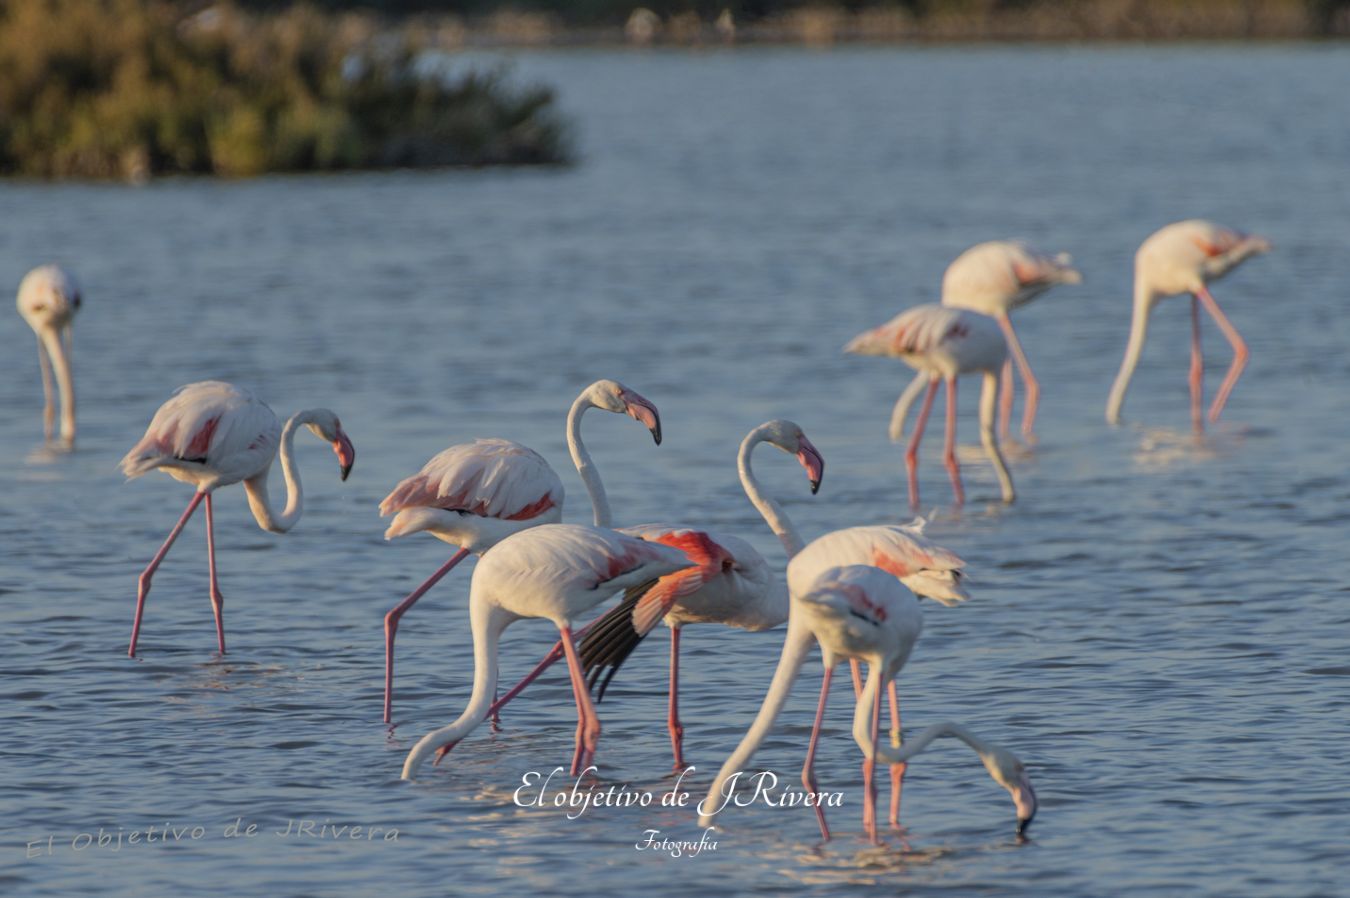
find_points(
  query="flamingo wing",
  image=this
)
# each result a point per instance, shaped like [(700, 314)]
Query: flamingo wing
[(210, 425), (902, 551), (488, 477), (914, 331)]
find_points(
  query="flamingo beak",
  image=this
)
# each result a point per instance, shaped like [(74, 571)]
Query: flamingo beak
[(812, 461), (1024, 797), (346, 453), (639, 409)]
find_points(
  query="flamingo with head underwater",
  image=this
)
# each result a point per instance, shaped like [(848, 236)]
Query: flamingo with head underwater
[(212, 434), (994, 278), (1183, 258), (48, 300), (856, 612), (556, 572), (473, 495), (941, 344)]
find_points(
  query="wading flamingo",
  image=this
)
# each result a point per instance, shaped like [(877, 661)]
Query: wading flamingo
[(859, 612), (993, 279), (942, 343), (473, 495), (1183, 258), (48, 300), (557, 572), (212, 434), (731, 583)]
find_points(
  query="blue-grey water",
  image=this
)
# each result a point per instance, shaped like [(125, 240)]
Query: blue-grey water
[(1159, 626)]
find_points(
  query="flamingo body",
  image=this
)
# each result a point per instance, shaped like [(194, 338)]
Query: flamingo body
[(996, 277), (926, 568), (48, 299)]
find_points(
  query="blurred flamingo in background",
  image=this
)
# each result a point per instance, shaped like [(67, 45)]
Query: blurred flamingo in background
[(1183, 258), (856, 612), (473, 495), (212, 434), (557, 572), (48, 300), (993, 279), (942, 343)]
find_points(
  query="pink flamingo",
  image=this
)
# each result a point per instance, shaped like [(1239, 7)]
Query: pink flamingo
[(48, 300), (212, 434), (557, 572), (857, 612), (473, 495), (942, 343), (993, 279), (1183, 258)]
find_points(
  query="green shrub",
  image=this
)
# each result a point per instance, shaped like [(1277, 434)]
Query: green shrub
[(126, 88)]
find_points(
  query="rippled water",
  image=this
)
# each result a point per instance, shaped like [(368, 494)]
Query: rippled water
[(1158, 627)]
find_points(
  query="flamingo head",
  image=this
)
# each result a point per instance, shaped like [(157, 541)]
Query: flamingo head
[(613, 396), (1010, 773), (48, 297), (327, 427), (788, 436)]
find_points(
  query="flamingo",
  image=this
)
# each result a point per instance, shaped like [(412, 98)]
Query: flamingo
[(473, 495), (730, 583), (861, 612), (1183, 258), (557, 572), (994, 278), (942, 343), (212, 434), (48, 300)]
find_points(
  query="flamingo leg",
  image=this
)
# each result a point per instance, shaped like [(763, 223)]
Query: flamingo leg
[(217, 600), (391, 626), (1240, 354), (143, 585), (949, 451), (809, 768), (1032, 384), (552, 657), (869, 778), (912, 452), (673, 719), (1197, 368), (1005, 402), (588, 733), (855, 666), (897, 770), (48, 406)]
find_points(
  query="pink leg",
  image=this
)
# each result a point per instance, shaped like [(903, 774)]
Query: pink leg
[(869, 780), (143, 588), (856, 667), (1033, 386), (949, 452), (391, 626), (673, 720), (1197, 368), (897, 770), (1005, 403), (217, 600), (1240, 354), (553, 655), (912, 453), (588, 736), (809, 768)]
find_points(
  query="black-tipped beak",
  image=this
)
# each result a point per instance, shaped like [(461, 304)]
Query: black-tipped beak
[(810, 459), (346, 454), (1023, 823), (639, 409)]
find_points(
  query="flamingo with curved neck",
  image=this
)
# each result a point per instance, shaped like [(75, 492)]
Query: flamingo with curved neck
[(212, 434), (473, 495)]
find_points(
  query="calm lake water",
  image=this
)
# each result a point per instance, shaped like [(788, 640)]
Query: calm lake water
[(1159, 626)]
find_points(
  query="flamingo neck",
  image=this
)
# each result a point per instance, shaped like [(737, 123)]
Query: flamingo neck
[(795, 648), (590, 475), (926, 737), (487, 621), (1144, 299), (988, 400), (256, 487), (58, 347), (773, 514)]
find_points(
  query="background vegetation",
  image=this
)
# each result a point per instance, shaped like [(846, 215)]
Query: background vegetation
[(131, 88)]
